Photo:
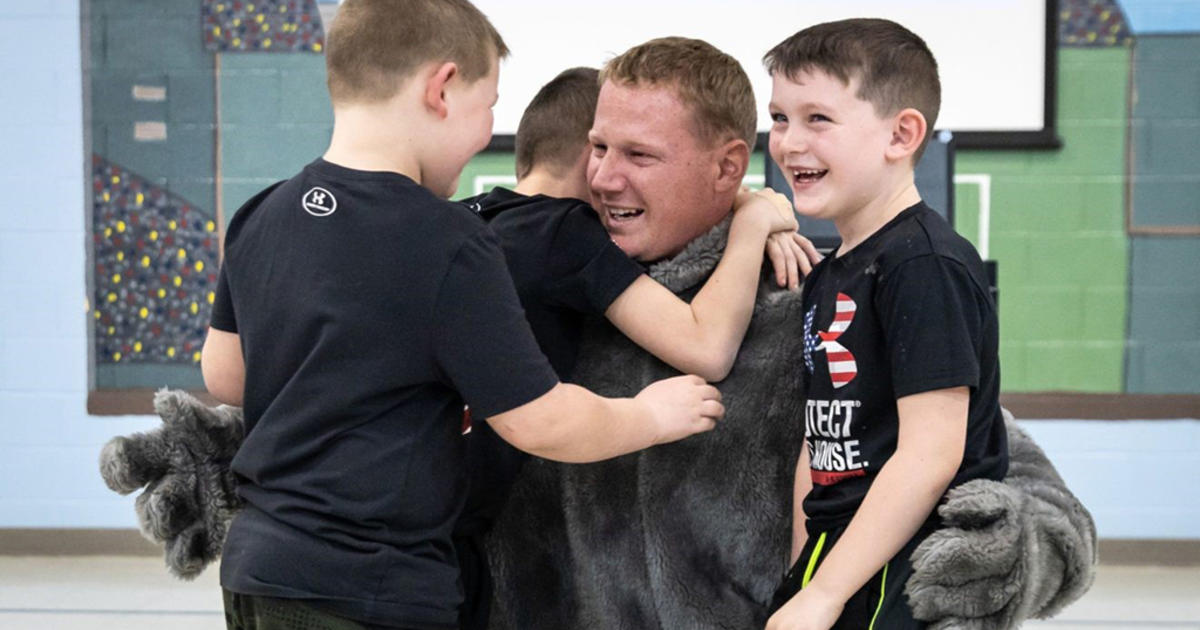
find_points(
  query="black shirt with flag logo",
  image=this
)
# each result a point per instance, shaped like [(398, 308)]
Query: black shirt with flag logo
[(907, 311)]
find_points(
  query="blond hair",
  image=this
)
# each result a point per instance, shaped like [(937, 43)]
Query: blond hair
[(711, 83), (374, 45)]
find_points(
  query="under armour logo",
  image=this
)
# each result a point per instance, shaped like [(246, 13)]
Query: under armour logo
[(319, 202), (842, 367)]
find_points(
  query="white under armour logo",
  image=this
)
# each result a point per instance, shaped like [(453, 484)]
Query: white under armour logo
[(319, 202)]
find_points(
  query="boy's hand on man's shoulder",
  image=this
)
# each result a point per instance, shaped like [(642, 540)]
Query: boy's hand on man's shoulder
[(792, 257), (767, 205)]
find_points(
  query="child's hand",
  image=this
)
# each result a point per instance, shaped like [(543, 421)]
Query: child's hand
[(792, 256), (808, 610), (768, 206), (682, 406)]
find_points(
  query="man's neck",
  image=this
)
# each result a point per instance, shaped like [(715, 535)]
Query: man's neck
[(364, 139), (857, 227)]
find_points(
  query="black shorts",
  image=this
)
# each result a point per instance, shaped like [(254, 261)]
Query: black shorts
[(256, 612), (879, 605)]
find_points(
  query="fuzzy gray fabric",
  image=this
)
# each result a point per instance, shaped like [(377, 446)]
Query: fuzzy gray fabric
[(183, 465), (687, 535), (693, 534), (1009, 551)]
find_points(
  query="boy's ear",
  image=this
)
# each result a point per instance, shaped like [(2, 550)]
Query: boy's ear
[(435, 87), (908, 131), (733, 158)]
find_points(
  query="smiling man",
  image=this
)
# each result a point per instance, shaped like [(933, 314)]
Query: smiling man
[(692, 537)]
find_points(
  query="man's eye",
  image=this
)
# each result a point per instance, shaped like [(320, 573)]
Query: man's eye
[(598, 149), (818, 118)]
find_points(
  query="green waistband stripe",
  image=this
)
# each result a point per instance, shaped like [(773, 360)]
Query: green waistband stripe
[(882, 593), (812, 560)]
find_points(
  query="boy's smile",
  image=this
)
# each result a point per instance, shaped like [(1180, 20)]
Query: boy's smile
[(830, 144)]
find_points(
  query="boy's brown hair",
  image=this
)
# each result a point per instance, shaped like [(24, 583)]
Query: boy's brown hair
[(554, 128), (710, 82), (373, 45), (894, 66)]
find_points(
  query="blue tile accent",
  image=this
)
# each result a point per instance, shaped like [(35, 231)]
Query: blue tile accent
[(1162, 16), (1164, 316)]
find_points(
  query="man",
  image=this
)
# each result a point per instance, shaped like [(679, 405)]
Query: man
[(692, 537)]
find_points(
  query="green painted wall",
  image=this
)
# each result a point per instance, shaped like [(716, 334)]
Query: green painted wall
[(1057, 232)]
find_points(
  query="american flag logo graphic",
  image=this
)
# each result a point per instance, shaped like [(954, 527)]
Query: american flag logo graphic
[(842, 368)]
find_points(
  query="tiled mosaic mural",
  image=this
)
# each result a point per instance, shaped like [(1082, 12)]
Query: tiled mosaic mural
[(263, 26), (155, 270), (1092, 23)]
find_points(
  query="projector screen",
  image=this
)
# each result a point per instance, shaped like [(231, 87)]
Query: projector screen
[(995, 56)]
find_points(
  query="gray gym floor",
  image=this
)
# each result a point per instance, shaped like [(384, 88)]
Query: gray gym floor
[(111, 592)]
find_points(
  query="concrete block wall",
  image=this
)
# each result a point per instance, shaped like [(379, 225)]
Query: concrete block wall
[(1164, 322), (1057, 233), (275, 118), (49, 445)]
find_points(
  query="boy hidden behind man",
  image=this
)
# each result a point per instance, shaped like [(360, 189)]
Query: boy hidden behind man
[(566, 268), (900, 331), (356, 311)]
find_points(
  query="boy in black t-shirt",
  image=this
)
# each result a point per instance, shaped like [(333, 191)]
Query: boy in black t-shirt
[(357, 310), (900, 333), (566, 267)]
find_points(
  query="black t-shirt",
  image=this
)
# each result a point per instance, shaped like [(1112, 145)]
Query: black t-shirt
[(907, 311), (369, 311), (565, 267)]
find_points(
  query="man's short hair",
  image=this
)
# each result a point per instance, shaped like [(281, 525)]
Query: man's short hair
[(554, 128), (894, 66), (374, 45), (710, 82)]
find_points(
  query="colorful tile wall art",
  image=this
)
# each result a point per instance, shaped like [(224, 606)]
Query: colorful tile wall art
[(155, 262), (1084, 23), (262, 26)]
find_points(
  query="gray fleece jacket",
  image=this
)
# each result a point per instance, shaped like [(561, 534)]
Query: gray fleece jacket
[(693, 534)]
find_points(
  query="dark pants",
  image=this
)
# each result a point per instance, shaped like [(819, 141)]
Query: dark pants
[(254, 612), (879, 605)]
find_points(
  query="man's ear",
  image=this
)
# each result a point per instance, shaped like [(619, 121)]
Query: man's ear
[(908, 131), (733, 158), (435, 87)]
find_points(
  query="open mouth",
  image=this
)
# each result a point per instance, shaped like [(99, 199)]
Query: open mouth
[(623, 214), (807, 175)]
